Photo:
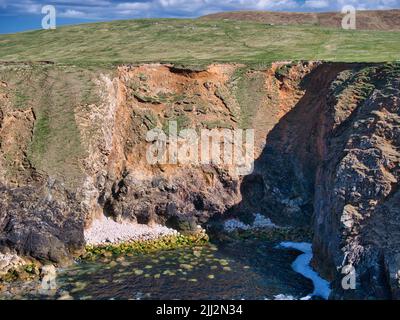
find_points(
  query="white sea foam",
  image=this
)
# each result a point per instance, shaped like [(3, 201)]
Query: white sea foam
[(302, 265)]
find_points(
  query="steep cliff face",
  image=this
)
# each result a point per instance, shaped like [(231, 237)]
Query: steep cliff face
[(282, 184), (356, 199), (42, 210), (73, 147), (79, 150), (152, 96)]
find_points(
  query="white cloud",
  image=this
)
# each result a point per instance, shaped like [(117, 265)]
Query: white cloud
[(280, 5), (133, 6), (70, 13), (316, 4), (112, 9)]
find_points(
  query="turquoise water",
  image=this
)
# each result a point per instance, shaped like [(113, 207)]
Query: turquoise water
[(248, 269)]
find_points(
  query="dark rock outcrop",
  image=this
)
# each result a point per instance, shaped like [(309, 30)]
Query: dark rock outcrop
[(182, 202), (332, 161), (42, 222), (356, 198)]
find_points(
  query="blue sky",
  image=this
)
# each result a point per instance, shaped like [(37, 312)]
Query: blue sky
[(20, 15)]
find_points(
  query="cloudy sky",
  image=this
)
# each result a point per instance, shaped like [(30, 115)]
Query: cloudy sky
[(19, 15)]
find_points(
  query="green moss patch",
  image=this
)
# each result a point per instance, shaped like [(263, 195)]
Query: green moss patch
[(26, 272), (148, 246)]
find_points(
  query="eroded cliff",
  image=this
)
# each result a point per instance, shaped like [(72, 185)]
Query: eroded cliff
[(73, 147)]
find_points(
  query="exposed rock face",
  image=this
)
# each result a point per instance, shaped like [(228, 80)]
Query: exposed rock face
[(42, 222), (356, 198), (333, 158), (179, 196), (326, 150), (282, 185), (9, 262), (186, 195)]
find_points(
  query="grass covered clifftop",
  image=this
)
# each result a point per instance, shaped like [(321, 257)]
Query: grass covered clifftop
[(197, 42), (38, 129)]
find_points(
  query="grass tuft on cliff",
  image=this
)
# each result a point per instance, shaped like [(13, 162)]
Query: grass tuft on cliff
[(52, 92)]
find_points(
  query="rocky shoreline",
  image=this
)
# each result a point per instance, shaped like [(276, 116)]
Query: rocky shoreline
[(111, 253), (19, 278), (107, 239), (9, 261)]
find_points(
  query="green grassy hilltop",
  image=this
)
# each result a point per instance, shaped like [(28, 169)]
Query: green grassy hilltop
[(197, 42)]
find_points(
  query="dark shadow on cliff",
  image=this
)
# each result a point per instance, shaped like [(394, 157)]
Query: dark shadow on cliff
[(283, 182)]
